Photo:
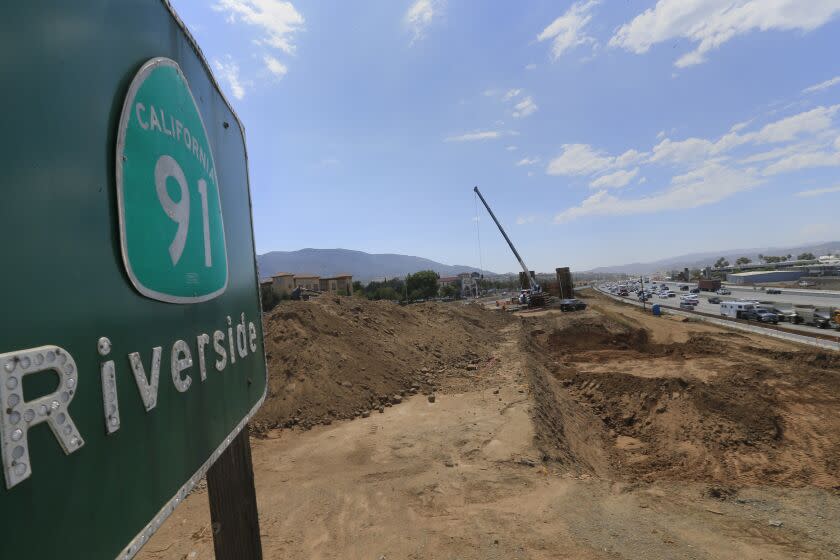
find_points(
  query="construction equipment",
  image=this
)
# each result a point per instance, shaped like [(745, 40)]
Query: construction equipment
[(535, 295)]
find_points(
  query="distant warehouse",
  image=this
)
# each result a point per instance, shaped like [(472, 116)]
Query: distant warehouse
[(761, 276)]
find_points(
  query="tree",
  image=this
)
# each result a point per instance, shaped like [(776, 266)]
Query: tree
[(743, 260), (423, 284), (806, 257), (694, 274), (450, 290), (721, 263)]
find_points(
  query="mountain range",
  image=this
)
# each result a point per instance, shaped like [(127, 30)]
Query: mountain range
[(699, 260), (363, 266)]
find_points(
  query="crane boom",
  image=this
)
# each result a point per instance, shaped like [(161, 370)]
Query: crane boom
[(532, 283)]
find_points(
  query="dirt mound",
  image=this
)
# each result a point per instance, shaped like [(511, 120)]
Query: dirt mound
[(338, 357), (717, 409)]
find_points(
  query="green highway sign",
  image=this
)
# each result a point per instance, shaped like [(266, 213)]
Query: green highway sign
[(173, 238), (131, 351)]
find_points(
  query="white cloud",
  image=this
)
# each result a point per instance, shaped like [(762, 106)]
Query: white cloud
[(629, 157), (582, 159), (527, 161), (681, 151), (807, 123), (278, 20), (568, 30), (778, 153), (510, 94), (704, 185), (660, 135), (579, 159), (711, 23), (522, 220), (420, 16), (797, 162), (822, 85), (524, 108), (275, 66), (511, 148), (228, 72), (787, 129), (474, 136), (531, 66), (818, 192), (614, 180)]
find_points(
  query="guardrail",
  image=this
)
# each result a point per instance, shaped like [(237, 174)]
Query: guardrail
[(773, 333)]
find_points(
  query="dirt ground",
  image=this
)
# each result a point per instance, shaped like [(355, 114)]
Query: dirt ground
[(604, 434), (335, 358)]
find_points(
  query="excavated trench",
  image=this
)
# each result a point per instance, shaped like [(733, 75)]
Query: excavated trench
[(614, 403)]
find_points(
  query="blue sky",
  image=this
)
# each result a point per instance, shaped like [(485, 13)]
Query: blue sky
[(600, 132)]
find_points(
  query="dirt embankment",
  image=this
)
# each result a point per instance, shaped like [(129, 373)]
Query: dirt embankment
[(693, 404), (338, 357)]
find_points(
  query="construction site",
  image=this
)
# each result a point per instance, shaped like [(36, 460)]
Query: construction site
[(461, 431), (533, 428)]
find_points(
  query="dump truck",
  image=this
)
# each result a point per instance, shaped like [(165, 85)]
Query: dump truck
[(708, 284)]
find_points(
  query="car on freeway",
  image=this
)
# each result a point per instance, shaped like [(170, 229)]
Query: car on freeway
[(714, 299), (761, 315), (695, 290), (664, 295), (689, 305), (572, 305), (684, 288), (672, 294), (723, 292), (773, 291)]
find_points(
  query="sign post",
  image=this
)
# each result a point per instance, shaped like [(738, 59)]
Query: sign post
[(131, 351)]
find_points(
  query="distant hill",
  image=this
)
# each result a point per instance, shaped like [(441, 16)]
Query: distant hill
[(699, 260), (363, 266)]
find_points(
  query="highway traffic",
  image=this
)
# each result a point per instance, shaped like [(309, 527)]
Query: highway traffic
[(785, 299)]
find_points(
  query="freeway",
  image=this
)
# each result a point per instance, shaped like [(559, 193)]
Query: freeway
[(748, 293), (788, 297)]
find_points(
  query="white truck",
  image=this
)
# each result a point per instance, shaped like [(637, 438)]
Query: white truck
[(735, 309)]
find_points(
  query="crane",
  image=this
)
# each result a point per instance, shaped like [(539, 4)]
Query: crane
[(535, 288)]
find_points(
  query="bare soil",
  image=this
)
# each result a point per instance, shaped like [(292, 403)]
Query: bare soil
[(604, 434), (335, 358), (701, 404)]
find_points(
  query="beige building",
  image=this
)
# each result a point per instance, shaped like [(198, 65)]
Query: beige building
[(283, 283), (341, 284), (447, 280), (308, 282)]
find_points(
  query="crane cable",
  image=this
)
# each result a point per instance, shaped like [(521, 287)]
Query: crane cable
[(478, 236)]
